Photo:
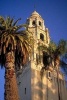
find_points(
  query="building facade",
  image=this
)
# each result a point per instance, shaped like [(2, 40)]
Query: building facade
[(34, 82)]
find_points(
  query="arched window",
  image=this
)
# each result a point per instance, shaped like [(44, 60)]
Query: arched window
[(47, 60), (41, 36), (39, 23), (33, 23)]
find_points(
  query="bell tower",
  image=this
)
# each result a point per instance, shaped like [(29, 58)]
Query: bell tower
[(41, 36), (36, 26)]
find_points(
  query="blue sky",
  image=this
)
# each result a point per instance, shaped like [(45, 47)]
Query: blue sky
[(54, 12)]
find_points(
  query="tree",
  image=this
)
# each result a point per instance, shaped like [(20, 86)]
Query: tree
[(52, 47), (48, 53), (60, 50), (62, 46), (14, 51), (54, 51), (57, 50)]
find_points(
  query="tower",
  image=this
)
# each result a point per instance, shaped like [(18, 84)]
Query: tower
[(33, 82), (36, 26), (41, 36)]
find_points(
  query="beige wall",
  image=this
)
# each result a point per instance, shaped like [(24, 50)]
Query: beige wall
[(46, 88), (39, 85), (24, 83)]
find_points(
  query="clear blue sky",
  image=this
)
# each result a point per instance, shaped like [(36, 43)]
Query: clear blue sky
[(54, 12)]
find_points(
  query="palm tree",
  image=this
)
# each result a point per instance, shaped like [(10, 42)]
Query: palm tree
[(60, 50), (48, 53), (14, 50), (62, 46)]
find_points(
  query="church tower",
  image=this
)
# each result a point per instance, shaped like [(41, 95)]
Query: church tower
[(36, 26), (33, 82), (41, 36)]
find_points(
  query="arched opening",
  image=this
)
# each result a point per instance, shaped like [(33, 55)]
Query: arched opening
[(47, 60), (41, 36), (39, 23), (33, 23)]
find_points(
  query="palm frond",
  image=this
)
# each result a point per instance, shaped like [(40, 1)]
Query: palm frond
[(13, 38), (16, 21)]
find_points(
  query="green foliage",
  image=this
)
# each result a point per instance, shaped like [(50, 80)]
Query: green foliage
[(52, 47), (58, 49), (62, 46), (42, 48)]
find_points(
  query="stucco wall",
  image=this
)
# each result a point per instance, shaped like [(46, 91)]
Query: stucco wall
[(24, 83), (36, 85), (45, 87), (40, 85)]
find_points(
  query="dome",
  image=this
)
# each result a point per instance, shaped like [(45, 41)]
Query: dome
[(35, 14)]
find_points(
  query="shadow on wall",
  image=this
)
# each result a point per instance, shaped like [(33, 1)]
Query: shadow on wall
[(44, 88)]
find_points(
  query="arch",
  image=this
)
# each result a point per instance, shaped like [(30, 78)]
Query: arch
[(33, 22), (41, 36), (40, 23)]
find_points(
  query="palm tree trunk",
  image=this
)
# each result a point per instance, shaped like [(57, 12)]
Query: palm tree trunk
[(11, 89)]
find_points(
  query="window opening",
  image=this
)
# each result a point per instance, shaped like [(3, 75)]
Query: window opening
[(25, 90), (33, 23), (49, 74), (39, 23), (41, 36)]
